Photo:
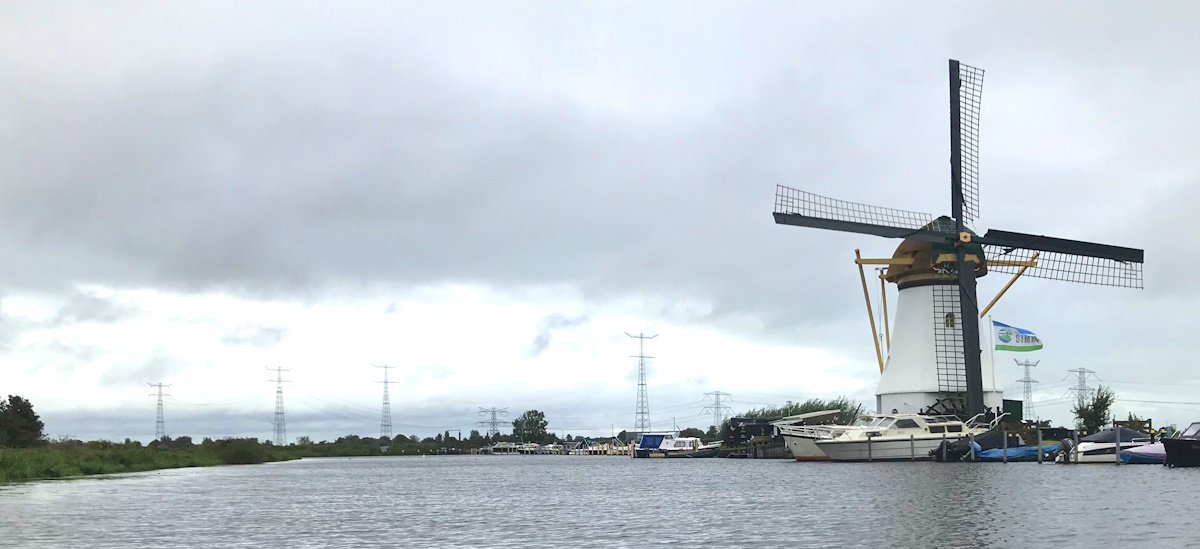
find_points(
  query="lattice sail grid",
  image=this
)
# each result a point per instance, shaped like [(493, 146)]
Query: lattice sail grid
[(948, 339), (794, 201), (1068, 267), (970, 93)]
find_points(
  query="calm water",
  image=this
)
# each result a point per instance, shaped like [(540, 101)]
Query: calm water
[(581, 501)]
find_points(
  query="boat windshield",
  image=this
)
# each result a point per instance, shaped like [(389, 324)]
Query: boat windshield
[(1193, 431), (862, 422), (883, 422)]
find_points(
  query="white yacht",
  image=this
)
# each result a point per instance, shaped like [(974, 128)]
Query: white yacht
[(1099, 447), (800, 431), (884, 437)]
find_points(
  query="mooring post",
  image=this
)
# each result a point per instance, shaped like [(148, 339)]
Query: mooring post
[(945, 443), (1075, 449), (971, 445), (912, 448), (1039, 438), (1117, 448), (1004, 433), (869, 448)]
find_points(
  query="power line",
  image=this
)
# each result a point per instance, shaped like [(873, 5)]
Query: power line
[(641, 416), (1028, 383), (160, 428), (280, 423), (385, 422), (493, 423), (718, 410)]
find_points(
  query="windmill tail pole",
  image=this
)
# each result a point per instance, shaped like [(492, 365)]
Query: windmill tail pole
[(870, 315), (1032, 262)]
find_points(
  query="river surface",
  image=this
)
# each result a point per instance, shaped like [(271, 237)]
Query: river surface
[(593, 501)]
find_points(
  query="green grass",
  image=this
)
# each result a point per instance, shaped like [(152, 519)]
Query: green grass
[(103, 458)]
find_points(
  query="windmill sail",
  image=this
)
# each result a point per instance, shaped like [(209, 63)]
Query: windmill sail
[(805, 209), (970, 94), (1064, 259)]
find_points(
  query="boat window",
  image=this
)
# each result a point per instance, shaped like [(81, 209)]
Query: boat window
[(884, 422), (937, 428), (862, 422), (906, 424), (954, 428), (1192, 431)]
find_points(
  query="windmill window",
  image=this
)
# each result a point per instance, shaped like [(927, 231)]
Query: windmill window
[(949, 320)]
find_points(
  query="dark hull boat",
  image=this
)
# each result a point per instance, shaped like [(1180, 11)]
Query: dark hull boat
[(1184, 450)]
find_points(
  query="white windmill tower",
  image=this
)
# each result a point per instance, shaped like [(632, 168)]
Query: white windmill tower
[(935, 361)]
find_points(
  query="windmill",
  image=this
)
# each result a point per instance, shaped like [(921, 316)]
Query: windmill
[(934, 361)]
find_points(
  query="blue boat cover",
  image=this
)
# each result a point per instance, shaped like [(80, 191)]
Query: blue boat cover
[(1017, 452), (650, 442)]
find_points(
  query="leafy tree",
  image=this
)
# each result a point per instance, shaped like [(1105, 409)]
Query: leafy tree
[(183, 442), (475, 437), (530, 426), (692, 432), (1093, 412), (302, 441), (20, 426), (712, 432), (623, 436)]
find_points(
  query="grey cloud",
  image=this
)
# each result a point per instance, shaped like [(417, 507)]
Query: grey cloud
[(260, 173), (255, 335), (85, 307), (158, 367), (546, 328)]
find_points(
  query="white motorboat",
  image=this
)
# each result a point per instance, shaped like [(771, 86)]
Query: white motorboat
[(1100, 447), (671, 445), (894, 437), (800, 431)]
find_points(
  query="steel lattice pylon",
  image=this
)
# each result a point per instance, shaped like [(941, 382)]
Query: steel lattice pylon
[(1028, 383), (160, 427), (280, 437), (385, 422), (641, 417)]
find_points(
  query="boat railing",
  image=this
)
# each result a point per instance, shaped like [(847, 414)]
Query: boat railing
[(812, 431)]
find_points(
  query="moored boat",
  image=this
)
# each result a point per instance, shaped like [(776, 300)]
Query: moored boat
[(800, 432), (1183, 450), (671, 445), (1101, 447), (895, 437)]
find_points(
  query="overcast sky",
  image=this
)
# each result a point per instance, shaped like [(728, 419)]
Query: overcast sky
[(487, 196)]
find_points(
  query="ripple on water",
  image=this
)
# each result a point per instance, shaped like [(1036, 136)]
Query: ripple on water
[(584, 501)]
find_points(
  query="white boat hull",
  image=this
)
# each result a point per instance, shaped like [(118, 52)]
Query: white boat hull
[(804, 449), (1092, 452), (881, 450)]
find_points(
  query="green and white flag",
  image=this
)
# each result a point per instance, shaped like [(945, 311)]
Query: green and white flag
[(1011, 338)]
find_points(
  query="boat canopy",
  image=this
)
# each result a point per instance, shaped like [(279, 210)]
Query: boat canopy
[(1110, 436)]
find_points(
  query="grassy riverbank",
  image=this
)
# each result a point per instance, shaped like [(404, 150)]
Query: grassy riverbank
[(73, 459), (102, 458)]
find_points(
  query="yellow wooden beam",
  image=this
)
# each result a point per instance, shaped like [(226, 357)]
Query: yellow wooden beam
[(870, 315), (1033, 261), (1013, 262), (888, 261)]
